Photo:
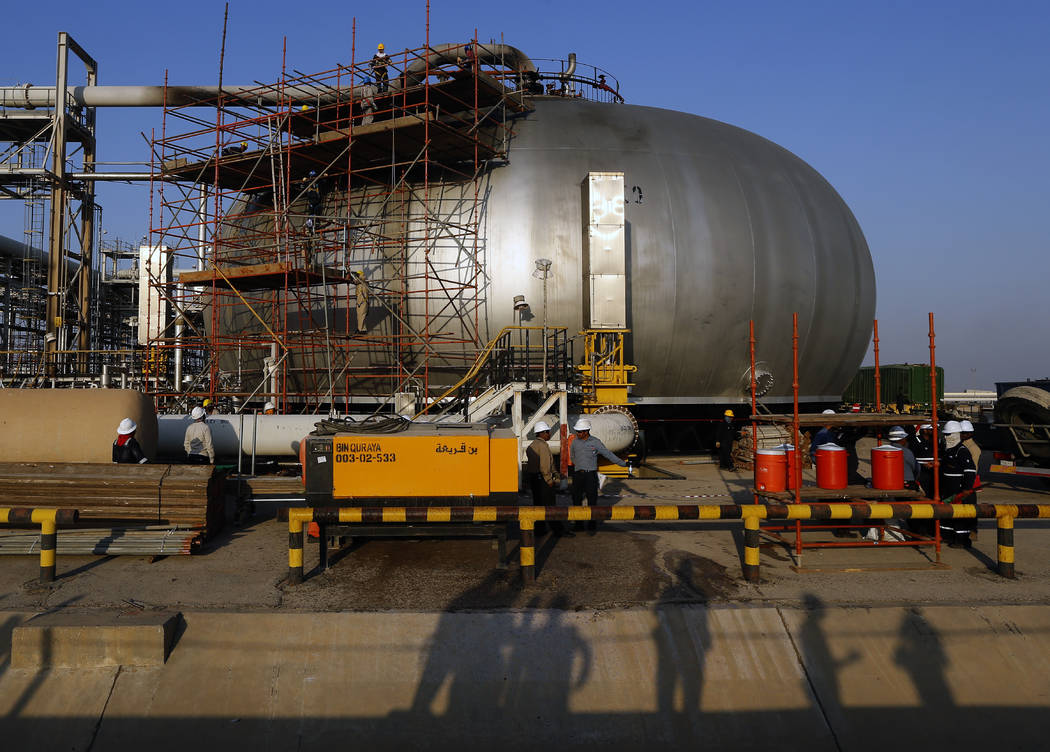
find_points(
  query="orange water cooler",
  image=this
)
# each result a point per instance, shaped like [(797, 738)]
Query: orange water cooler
[(770, 469), (831, 466), (887, 468)]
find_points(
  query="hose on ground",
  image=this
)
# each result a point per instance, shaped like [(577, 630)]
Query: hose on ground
[(332, 426)]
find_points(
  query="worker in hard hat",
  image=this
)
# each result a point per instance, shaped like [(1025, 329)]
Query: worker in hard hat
[(957, 477), (922, 447), (826, 435), (269, 409), (898, 437), (973, 448), (126, 449), (208, 405), (379, 64), (541, 475), (234, 149), (583, 456), (727, 433), (197, 442)]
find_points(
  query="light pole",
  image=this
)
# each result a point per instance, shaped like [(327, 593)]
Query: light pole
[(543, 268)]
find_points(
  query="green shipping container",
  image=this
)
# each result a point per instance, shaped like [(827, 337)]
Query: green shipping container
[(913, 381)]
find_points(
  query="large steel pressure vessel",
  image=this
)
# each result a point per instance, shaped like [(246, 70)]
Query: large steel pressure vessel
[(722, 226)]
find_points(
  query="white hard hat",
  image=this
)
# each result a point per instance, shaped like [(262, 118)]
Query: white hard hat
[(952, 426), (926, 427), (197, 413), (541, 427), (268, 406), (897, 433), (967, 426), (126, 426), (582, 425), (828, 412)]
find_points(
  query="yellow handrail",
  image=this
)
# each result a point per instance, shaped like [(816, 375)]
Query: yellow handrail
[(474, 369)]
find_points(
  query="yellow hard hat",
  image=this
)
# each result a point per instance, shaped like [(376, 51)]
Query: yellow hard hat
[(728, 414), (207, 403), (304, 108), (380, 47)]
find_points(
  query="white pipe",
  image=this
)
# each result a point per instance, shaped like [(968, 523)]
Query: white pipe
[(279, 435), (616, 430), (29, 96)]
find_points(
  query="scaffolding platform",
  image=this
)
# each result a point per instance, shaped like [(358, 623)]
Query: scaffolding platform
[(849, 493), (264, 276), (372, 146), (872, 420)]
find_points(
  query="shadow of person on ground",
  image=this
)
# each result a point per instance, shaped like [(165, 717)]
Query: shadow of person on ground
[(921, 654), (682, 638), (484, 667), (821, 666)]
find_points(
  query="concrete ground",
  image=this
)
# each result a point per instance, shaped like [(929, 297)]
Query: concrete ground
[(643, 635)]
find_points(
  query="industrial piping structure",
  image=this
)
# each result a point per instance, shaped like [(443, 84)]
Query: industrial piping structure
[(755, 230)]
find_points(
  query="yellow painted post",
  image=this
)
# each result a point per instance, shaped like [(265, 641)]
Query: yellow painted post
[(1006, 546), (527, 549), (296, 518), (751, 549), (48, 539)]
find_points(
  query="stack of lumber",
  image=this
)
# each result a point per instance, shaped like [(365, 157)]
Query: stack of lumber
[(119, 541), (768, 437), (183, 496), (263, 486)]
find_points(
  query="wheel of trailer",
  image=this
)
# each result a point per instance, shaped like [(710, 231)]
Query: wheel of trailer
[(1022, 408)]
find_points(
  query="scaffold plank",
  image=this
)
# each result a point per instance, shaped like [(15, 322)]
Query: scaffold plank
[(843, 419), (263, 276)]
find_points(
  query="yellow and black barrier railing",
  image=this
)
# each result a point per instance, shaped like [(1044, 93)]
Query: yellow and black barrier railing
[(49, 520), (751, 514)]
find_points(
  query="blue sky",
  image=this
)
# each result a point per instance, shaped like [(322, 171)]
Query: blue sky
[(932, 119)]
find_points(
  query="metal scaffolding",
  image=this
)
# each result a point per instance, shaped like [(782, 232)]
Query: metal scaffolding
[(46, 156), (318, 243)]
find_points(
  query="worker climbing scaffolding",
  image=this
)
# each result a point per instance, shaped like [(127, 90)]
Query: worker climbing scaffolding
[(379, 64)]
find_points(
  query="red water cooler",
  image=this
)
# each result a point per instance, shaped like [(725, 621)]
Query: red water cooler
[(831, 467), (770, 469), (887, 468)]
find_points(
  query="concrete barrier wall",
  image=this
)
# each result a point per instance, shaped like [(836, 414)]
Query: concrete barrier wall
[(71, 425)]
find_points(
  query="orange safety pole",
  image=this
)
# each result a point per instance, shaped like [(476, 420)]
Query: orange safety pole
[(794, 426), (878, 380), (936, 436), (754, 403)]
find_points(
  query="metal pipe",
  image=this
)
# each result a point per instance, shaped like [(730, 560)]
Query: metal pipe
[(180, 327), (615, 429), (255, 439), (279, 435), (124, 176), (28, 96), (878, 378), (566, 76), (451, 54)]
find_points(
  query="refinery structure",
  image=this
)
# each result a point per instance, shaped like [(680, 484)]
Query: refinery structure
[(331, 242)]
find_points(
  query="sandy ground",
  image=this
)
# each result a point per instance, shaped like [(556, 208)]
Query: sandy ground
[(623, 565)]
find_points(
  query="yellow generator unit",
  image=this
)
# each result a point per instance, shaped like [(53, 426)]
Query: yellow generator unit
[(424, 464)]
